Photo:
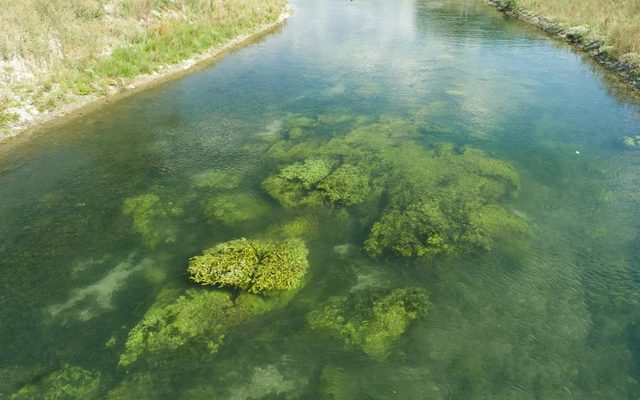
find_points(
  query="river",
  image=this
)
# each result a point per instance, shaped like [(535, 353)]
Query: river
[(550, 313)]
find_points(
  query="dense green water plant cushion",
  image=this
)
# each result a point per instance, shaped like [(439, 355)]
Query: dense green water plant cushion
[(151, 218), (69, 383), (436, 198), (256, 266), (197, 316), (372, 319)]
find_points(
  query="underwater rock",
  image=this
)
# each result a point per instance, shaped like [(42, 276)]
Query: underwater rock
[(252, 265), (151, 218), (371, 320), (195, 316), (70, 382)]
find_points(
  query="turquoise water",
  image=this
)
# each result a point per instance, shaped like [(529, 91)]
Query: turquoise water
[(555, 317)]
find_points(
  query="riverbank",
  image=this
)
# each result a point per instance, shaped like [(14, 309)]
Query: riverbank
[(609, 33), (69, 73)]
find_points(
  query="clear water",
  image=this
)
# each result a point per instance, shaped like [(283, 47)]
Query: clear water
[(558, 323)]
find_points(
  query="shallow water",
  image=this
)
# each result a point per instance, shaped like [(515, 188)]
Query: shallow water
[(557, 321)]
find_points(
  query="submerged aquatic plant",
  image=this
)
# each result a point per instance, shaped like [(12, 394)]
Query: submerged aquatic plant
[(218, 180), (632, 142), (252, 265), (373, 319), (151, 218), (294, 228), (347, 185), (315, 181), (70, 382), (231, 209), (294, 185), (296, 124), (446, 202), (437, 199), (196, 316), (337, 384)]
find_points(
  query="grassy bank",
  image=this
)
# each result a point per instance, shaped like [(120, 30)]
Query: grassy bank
[(54, 52), (606, 28)]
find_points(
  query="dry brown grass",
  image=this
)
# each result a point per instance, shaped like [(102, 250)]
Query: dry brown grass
[(617, 21), (52, 51)]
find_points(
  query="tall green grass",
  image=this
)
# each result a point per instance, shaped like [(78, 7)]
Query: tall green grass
[(615, 21), (65, 48)]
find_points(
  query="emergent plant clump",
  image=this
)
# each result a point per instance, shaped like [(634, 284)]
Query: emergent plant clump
[(371, 320), (252, 265)]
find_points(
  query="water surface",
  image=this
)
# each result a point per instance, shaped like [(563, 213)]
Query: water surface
[(559, 321)]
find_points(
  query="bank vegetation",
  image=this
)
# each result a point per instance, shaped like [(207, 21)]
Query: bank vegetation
[(54, 52), (608, 29)]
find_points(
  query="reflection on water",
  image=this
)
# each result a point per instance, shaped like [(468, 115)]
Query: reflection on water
[(440, 127)]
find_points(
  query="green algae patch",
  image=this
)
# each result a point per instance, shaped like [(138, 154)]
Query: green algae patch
[(315, 181), (151, 218), (347, 185), (295, 125), (294, 185), (302, 226), (231, 209), (444, 201), (196, 317), (70, 382), (371, 320), (435, 199), (252, 265)]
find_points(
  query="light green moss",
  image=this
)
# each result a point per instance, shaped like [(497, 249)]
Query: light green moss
[(371, 320), (196, 316), (231, 209), (70, 382), (151, 218), (254, 266)]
